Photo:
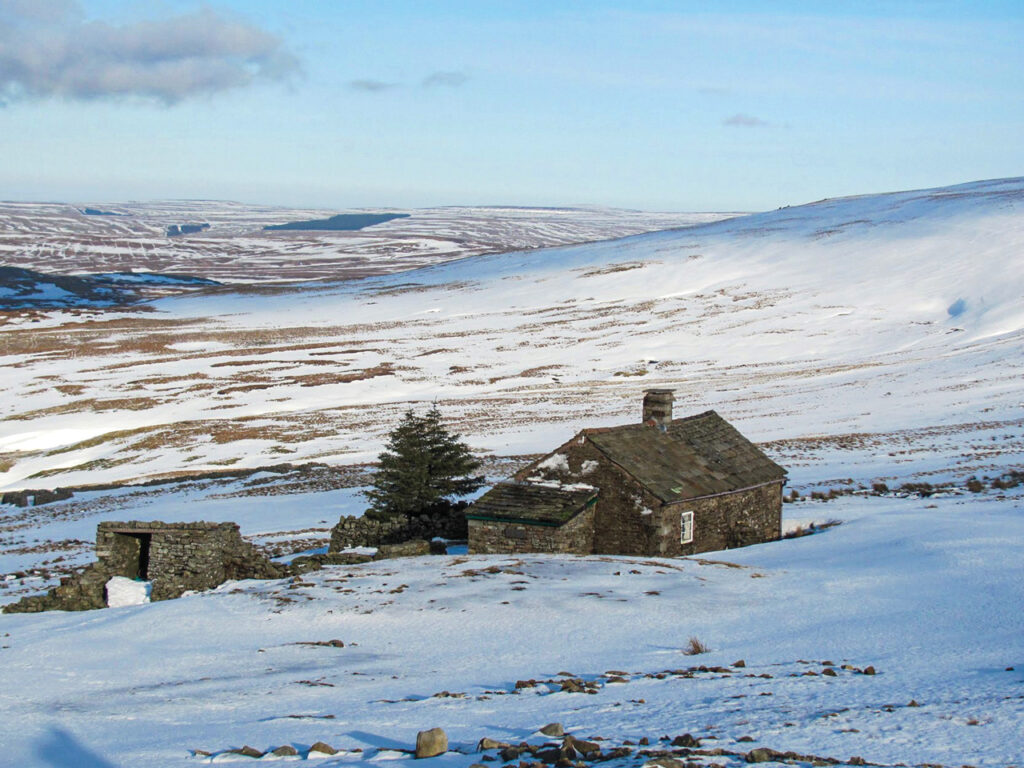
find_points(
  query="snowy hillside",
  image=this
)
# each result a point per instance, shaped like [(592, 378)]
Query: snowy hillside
[(28, 289), (875, 339), (232, 245), (890, 322)]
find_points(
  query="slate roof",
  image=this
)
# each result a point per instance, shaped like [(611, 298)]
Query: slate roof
[(531, 503), (696, 456)]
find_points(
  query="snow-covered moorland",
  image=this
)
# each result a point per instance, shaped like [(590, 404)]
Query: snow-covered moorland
[(862, 340), (892, 319), (924, 593)]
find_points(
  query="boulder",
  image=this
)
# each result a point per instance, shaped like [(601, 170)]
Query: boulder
[(762, 755), (431, 743), (553, 729), (486, 743), (285, 751), (247, 751), (686, 740), (324, 749)]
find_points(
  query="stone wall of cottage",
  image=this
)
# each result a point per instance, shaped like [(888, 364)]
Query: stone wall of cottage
[(493, 537), (181, 557), (722, 522), (624, 519), (629, 520)]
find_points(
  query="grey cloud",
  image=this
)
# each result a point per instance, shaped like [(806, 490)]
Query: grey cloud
[(372, 86), (46, 50), (446, 79), (744, 121)]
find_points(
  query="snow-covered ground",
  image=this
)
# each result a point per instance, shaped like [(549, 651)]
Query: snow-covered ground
[(55, 237), (927, 592), (863, 340), (883, 319)]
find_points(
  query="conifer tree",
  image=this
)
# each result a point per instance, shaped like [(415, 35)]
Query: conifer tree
[(422, 466)]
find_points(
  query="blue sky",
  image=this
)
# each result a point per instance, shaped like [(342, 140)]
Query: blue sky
[(654, 105)]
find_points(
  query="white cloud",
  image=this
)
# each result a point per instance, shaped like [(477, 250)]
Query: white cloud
[(48, 51)]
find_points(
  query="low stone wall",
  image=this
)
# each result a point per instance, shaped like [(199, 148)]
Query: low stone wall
[(175, 557), (33, 498), (364, 532), (492, 537)]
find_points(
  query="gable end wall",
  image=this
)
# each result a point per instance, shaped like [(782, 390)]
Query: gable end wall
[(732, 520)]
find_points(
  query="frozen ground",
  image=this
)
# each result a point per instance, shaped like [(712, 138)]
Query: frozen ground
[(863, 340), (925, 591), (54, 237), (890, 320)]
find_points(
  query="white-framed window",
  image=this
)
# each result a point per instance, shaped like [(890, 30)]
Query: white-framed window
[(686, 527)]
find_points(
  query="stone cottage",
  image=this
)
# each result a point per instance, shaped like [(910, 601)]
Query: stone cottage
[(660, 487), (174, 557)]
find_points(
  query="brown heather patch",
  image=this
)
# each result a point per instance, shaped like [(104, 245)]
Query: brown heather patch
[(624, 266), (320, 379), (91, 404), (89, 466), (70, 389), (106, 437), (528, 373)]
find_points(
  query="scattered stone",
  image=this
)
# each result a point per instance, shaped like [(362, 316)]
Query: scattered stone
[(744, 739), (201, 753), (486, 743), (617, 752), (285, 751), (665, 762), (477, 765), (829, 672), (510, 753), (741, 663), (553, 729), (686, 740), (572, 745), (869, 670), (644, 741), (247, 751), (431, 743), (762, 755), (913, 703), (324, 749), (857, 761)]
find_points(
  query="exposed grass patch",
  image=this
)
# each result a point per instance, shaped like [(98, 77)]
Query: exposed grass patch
[(695, 646), (811, 528)]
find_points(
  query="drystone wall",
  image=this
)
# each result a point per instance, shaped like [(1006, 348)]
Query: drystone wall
[(174, 557), (445, 523)]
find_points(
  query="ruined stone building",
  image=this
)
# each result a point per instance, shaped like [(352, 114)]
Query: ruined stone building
[(662, 486), (174, 557)]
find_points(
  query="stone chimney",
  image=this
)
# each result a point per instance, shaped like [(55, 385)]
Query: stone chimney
[(658, 407)]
